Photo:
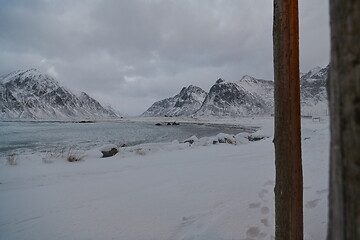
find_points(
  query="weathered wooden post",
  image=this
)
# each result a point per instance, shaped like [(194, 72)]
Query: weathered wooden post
[(289, 181), (344, 96)]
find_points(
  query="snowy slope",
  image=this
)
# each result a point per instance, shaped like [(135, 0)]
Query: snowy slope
[(260, 88), (313, 92), (31, 94), (187, 102), (249, 96), (177, 192)]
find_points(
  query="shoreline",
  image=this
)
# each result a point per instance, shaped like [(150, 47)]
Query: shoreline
[(253, 128), (163, 191), (238, 125)]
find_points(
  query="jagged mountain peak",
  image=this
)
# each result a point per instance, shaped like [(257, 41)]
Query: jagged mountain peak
[(251, 80), (240, 98), (84, 95), (193, 88), (30, 81), (248, 96), (313, 91), (24, 75), (221, 84), (219, 81), (315, 70), (247, 78), (184, 89), (30, 94), (185, 103), (190, 88), (317, 73)]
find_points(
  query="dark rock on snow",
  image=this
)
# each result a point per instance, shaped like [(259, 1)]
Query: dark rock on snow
[(110, 153)]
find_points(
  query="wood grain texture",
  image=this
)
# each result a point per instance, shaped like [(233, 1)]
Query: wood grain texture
[(289, 180), (344, 100)]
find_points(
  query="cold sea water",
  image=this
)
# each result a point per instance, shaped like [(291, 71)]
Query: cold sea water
[(31, 137)]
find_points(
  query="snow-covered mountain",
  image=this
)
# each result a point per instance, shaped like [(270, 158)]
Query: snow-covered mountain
[(31, 94), (247, 97), (314, 99), (186, 103), (251, 96)]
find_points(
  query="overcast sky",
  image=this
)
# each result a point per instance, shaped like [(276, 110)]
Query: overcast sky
[(130, 53)]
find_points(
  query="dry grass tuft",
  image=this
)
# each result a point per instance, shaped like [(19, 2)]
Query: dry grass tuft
[(56, 153), (72, 156), (229, 141), (140, 151), (11, 159)]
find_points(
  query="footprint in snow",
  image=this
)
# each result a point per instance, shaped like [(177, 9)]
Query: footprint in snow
[(269, 183), (187, 220), (266, 222), (265, 210), (322, 191), (312, 204), (254, 233), (262, 231), (262, 194), (254, 205)]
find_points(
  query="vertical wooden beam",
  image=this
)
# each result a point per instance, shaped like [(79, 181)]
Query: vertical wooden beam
[(289, 180), (344, 99)]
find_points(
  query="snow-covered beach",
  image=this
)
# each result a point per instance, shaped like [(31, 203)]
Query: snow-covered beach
[(164, 191), (32, 137)]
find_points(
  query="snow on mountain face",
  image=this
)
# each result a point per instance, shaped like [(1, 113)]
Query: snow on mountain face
[(249, 96), (32, 95), (187, 102), (313, 92)]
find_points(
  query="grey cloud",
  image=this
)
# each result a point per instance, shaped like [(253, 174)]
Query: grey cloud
[(143, 50)]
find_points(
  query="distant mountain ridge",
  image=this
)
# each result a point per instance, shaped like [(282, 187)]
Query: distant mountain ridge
[(185, 103), (32, 95), (247, 97), (314, 99)]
